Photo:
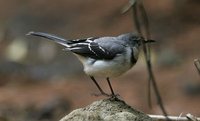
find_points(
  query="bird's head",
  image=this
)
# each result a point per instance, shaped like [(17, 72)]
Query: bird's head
[(134, 39)]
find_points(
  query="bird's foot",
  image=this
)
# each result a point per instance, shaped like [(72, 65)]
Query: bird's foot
[(114, 96)]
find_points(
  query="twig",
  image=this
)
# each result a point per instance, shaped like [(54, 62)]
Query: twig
[(197, 65), (191, 117), (128, 6), (140, 15), (174, 118), (146, 49)]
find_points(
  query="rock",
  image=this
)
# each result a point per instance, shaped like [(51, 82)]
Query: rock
[(107, 110)]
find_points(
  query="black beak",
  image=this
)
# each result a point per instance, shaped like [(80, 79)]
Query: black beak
[(149, 41)]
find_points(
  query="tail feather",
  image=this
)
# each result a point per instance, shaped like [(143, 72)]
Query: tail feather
[(54, 38)]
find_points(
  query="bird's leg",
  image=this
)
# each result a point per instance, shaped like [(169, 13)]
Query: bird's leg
[(111, 89), (102, 92)]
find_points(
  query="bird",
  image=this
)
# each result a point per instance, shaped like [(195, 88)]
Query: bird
[(107, 57)]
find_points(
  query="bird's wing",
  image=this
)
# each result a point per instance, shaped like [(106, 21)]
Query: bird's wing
[(96, 49)]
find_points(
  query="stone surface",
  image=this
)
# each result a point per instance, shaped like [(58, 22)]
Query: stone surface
[(107, 110)]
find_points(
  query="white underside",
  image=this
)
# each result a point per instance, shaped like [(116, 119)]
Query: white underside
[(107, 68)]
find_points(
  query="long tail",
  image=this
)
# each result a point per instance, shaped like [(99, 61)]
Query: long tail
[(54, 38)]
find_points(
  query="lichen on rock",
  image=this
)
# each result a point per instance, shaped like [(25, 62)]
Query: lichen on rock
[(111, 109)]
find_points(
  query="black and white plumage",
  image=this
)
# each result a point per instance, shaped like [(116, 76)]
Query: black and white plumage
[(102, 56)]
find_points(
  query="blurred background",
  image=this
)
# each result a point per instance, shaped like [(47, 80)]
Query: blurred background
[(39, 81)]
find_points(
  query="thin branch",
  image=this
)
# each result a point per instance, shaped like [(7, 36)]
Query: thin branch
[(138, 28), (136, 18), (197, 65), (174, 118), (145, 19), (146, 49), (191, 117), (128, 6)]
